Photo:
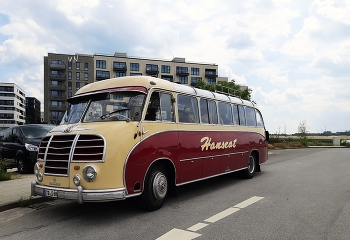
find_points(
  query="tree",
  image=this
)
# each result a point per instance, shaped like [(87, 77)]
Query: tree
[(302, 133), (226, 87)]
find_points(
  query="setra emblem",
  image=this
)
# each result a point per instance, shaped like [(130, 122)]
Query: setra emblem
[(54, 182)]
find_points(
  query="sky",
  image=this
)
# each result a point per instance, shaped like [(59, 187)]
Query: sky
[(293, 55)]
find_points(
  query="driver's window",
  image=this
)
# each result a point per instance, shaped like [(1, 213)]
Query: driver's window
[(153, 110)]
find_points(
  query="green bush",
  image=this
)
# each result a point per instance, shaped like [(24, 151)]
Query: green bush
[(345, 142), (303, 141), (3, 171)]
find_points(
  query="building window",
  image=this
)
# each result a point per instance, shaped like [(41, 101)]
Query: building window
[(69, 75), (77, 76), (194, 80), (151, 67), (170, 79), (77, 65), (69, 85), (121, 74), (119, 65), (134, 67), (102, 75), (211, 80), (69, 65), (195, 71), (135, 74), (86, 66), (86, 76), (56, 61), (183, 80), (7, 89), (77, 85), (181, 69), (70, 94), (165, 69), (101, 64)]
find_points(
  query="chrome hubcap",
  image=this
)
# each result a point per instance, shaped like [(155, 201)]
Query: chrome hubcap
[(160, 185)]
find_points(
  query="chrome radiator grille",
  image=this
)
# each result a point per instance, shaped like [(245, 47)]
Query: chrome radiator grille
[(59, 150)]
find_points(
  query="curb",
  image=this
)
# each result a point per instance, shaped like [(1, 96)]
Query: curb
[(34, 200)]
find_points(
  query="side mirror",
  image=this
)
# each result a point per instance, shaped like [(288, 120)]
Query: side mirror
[(137, 113), (267, 135)]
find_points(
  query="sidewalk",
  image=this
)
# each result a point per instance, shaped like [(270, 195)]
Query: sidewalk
[(12, 191)]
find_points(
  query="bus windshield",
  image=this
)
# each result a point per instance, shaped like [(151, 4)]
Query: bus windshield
[(115, 106)]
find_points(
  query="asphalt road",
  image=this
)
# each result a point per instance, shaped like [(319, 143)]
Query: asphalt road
[(300, 194)]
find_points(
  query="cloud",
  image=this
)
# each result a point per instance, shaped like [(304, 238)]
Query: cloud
[(293, 54)]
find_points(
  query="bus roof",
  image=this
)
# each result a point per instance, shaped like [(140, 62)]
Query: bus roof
[(152, 82)]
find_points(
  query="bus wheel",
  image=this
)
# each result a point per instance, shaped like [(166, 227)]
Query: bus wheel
[(156, 188), (250, 171)]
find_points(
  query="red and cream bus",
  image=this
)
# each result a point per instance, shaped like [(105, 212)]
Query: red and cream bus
[(144, 136)]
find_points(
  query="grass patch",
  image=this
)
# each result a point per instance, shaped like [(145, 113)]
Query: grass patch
[(24, 202), (4, 176)]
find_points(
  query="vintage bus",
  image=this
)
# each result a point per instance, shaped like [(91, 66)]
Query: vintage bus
[(144, 136)]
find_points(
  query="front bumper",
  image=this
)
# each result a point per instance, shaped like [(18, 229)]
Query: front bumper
[(81, 195)]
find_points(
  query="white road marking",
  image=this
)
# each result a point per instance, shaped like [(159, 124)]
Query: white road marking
[(248, 202), (176, 234), (221, 215), (197, 226)]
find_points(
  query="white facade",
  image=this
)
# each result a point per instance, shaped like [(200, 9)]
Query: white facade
[(12, 105)]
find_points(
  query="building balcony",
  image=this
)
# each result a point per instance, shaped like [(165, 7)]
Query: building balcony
[(58, 76), (56, 66), (120, 68), (58, 108), (182, 73), (152, 71), (57, 87), (211, 74), (102, 77), (58, 97)]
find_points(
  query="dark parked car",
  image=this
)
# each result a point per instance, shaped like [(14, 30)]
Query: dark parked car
[(19, 145)]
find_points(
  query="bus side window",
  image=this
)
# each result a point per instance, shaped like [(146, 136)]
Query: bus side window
[(225, 113), (166, 107), (259, 119), (213, 115), (241, 115), (188, 109), (204, 111), (235, 115), (250, 114)]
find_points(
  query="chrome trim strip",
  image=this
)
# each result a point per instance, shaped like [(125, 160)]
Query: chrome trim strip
[(81, 195), (216, 175), (213, 156)]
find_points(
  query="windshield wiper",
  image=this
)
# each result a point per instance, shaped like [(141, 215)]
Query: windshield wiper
[(107, 115)]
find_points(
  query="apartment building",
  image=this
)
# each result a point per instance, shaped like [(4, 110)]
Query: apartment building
[(64, 74), (32, 110), (12, 105)]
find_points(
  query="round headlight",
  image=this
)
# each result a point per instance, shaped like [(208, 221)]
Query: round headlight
[(36, 168), (39, 176), (76, 180), (89, 173)]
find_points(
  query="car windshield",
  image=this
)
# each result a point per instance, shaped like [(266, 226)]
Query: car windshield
[(36, 131), (114, 106)]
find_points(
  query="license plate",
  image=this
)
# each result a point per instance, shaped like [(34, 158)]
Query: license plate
[(49, 193)]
